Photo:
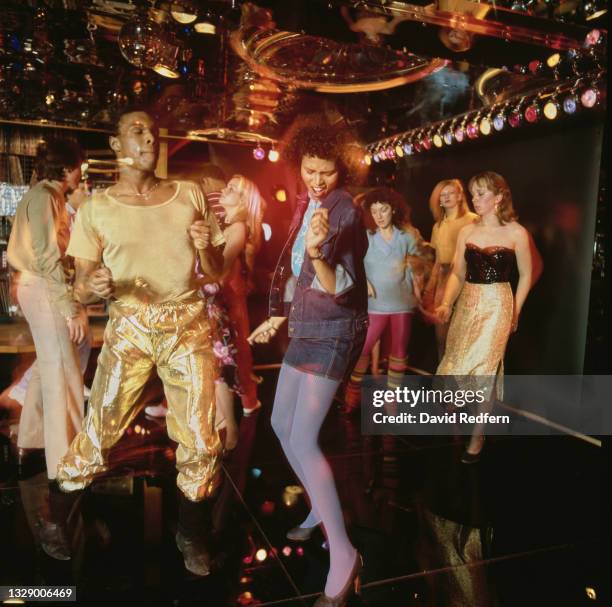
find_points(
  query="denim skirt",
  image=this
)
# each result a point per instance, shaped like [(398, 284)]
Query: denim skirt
[(331, 357)]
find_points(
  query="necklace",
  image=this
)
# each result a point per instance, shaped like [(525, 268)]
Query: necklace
[(144, 195)]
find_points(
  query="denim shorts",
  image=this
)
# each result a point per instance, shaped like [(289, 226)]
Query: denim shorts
[(331, 357)]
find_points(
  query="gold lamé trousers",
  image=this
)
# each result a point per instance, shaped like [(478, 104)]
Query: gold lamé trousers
[(175, 338)]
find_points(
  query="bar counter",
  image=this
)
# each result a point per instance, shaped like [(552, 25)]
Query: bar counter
[(15, 337)]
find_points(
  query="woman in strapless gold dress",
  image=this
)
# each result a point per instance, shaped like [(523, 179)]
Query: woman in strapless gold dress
[(486, 311)]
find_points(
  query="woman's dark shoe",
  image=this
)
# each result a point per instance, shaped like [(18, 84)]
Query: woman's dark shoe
[(300, 534), (196, 556), (472, 458), (352, 586)]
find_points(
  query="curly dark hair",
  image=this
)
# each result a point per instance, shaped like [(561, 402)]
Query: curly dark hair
[(398, 204), (313, 136), (55, 155)]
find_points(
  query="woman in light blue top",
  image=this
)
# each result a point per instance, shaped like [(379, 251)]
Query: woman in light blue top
[(391, 298)]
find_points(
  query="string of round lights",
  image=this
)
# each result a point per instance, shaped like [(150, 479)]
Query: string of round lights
[(548, 104)]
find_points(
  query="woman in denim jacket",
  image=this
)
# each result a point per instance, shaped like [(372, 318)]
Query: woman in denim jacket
[(320, 286)]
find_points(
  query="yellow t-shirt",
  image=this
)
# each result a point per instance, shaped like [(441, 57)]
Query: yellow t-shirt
[(444, 236), (147, 248)]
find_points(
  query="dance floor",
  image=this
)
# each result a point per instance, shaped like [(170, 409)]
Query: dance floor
[(523, 527)]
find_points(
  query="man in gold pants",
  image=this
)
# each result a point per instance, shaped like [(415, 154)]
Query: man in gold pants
[(136, 243)]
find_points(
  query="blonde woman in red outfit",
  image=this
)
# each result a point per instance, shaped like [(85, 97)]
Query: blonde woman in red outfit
[(244, 208)]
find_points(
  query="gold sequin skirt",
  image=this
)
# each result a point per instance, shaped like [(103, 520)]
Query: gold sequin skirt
[(479, 330)]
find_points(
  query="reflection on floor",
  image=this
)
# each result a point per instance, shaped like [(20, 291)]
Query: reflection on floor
[(523, 527)]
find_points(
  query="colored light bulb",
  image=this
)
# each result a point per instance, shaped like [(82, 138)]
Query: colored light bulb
[(515, 119), (551, 110), (472, 130), (532, 113), (499, 122), (437, 141), (570, 104), (448, 137), (459, 134), (485, 126), (408, 148), (589, 97)]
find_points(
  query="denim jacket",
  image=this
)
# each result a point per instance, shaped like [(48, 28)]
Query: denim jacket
[(316, 313)]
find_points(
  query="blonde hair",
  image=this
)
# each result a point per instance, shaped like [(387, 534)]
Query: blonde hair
[(434, 200), (251, 212), (495, 183)]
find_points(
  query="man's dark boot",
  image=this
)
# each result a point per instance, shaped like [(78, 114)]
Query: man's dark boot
[(52, 531), (192, 534), (30, 461)]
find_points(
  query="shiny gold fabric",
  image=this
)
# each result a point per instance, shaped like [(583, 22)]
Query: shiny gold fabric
[(456, 547), (479, 331), (175, 338)]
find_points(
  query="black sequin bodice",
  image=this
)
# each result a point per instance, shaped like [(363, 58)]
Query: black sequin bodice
[(489, 264)]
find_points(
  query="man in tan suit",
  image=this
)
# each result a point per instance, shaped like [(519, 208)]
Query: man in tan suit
[(53, 406)]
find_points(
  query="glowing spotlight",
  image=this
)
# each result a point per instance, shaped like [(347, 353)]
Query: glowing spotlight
[(589, 97), (273, 155), (553, 60), (259, 153), (592, 38), (246, 598), (299, 551), (267, 507), (570, 104), (471, 130), (532, 113), (591, 593), (255, 472), (261, 555), (499, 122), (485, 126), (267, 231), (280, 194), (515, 119), (551, 109), (287, 551), (368, 159), (182, 13)]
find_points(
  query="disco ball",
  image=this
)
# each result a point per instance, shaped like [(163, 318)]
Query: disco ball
[(139, 41)]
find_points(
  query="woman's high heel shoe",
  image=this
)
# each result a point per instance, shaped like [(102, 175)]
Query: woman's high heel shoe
[(352, 586), (301, 534), (472, 458)]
